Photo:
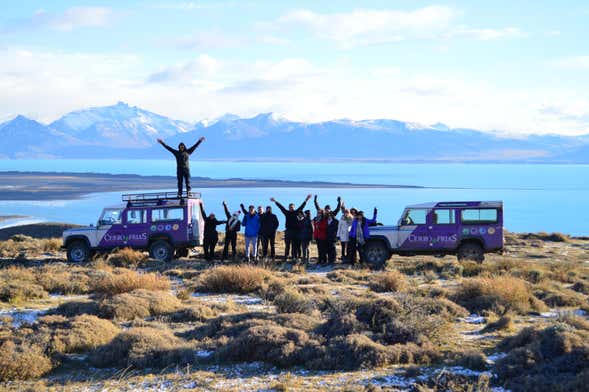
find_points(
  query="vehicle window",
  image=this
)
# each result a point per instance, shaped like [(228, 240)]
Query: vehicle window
[(415, 217), (135, 217), (479, 215), (444, 217), (110, 217), (167, 214)]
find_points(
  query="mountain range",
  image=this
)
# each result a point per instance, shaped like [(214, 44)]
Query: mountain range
[(123, 131)]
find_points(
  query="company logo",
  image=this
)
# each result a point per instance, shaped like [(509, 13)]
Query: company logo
[(491, 230), (160, 227), (175, 227), (168, 227), (124, 238), (432, 239), (153, 228)]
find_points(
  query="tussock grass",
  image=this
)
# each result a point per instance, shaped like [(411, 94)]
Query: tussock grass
[(504, 323), (139, 303), (22, 361), (390, 281), (293, 301), (497, 293), (124, 281), (143, 347), (241, 279), (127, 257)]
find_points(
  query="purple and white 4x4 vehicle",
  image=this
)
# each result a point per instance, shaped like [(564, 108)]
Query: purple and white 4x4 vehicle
[(161, 223), (466, 229)]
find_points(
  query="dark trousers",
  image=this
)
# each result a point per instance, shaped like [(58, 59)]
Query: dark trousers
[(183, 175), (352, 249), (344, 250), (304, 246), (209, 247), (322, 250), (290, 240), (230, 239), (271, 240), (331, 253)]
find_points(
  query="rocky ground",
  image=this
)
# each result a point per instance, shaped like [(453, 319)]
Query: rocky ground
[(515, 322)]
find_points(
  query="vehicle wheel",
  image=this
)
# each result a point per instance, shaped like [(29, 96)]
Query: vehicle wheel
[(161, 250), (376, 254), (471, 251), (181, 252), (78, 252)]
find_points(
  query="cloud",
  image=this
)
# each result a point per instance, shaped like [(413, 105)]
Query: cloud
[(70, 19), (45, 85), (369, 27), (574, 62)]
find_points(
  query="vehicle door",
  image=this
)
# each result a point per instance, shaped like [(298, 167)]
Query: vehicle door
[(135, 226), (413, 230), (110, 228), (443, 228), (196, 225)]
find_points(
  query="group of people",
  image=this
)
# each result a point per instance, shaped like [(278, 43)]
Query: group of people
[(301, 229), (260, 226)]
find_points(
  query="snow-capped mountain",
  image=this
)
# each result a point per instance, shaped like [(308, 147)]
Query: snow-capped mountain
[(121, 124), (123, 131)]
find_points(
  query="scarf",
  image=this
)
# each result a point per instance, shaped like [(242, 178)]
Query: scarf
[(233, 221)]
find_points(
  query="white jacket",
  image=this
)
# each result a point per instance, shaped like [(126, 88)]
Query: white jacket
[(343, 229)]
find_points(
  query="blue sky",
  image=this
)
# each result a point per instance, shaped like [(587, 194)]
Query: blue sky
[(510, 66)]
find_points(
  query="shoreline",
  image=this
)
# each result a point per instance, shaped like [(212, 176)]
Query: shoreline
[(29, 186)]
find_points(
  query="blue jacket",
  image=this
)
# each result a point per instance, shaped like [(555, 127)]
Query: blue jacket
[(252, 225), (365, 229)]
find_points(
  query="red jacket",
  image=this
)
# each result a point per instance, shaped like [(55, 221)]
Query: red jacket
[(320, 232)]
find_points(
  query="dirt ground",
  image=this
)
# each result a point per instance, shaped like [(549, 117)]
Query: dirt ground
[(124, 322)]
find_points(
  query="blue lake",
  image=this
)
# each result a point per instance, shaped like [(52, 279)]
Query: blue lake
[(537, 197)]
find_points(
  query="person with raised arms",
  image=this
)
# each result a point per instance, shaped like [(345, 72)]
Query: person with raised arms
[(182, 155), (291, 227), (232, 227)]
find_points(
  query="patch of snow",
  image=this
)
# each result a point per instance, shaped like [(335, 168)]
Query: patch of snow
[(491, 359), (550, 314), (474, 319), (23, 316), (204, 353)]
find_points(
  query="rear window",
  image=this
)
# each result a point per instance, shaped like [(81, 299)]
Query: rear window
[(167, 214), (479, 215)]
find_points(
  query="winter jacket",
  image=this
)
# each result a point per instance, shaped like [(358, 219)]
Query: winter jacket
[(291, 216), (252, 225), (320, 229), (211, 224), (237, 226), (332, 226), (305, 229), (268, 224), (343, 228), (365, 224), (182, 158)]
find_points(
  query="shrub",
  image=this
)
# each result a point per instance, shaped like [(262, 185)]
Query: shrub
[(20, 291), (127, 280), (21, 362), (143, 347), (504, 323), (472, 360), (555, 296), (581, 287), (75, 308), (292, 301), (232, 279), (499, 294), (139, 303), (127, 257), (51, 245), (388, 281), (21, 238), (199, 312), (55, 279)]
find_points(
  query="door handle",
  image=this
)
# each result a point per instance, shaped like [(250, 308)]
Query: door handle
[(430, 227)]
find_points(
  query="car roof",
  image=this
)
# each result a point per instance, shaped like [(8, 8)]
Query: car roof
[(458, 204)]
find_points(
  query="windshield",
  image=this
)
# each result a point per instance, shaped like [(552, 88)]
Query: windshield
[(110, 216)]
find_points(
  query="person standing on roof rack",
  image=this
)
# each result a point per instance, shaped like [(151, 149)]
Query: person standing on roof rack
[(182, 155)]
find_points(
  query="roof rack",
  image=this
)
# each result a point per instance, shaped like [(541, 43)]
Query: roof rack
[(159, 196)]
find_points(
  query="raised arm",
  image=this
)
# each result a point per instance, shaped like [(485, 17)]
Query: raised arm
[(202, 209), (316, 203), (191, 149), (280, 206), (173, 151), (243, 209), (220, 222), (373, 220), (227, 213), (339, 206), (302, 206)]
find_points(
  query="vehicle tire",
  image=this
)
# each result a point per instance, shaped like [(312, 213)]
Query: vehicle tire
[(161, 250), (376, 254), (181, 252), (78, 252), (471, 251)]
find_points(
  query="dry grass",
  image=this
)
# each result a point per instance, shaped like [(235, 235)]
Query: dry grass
[(139, 303), (124, 281), (498, 294), (127, 257), (21, 362), (390, 281), (143, 347), (293, 301), (233, 279)]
